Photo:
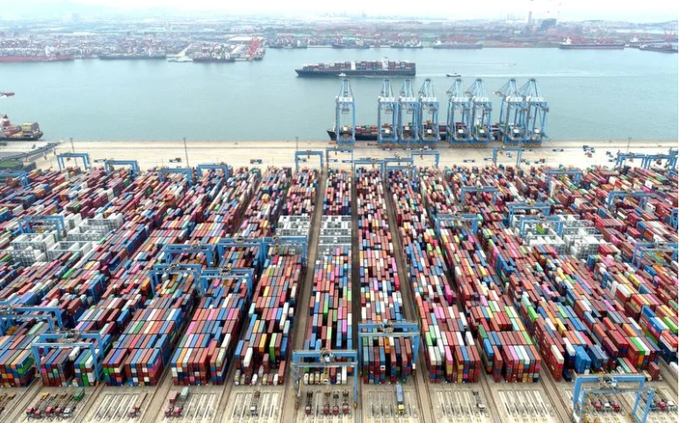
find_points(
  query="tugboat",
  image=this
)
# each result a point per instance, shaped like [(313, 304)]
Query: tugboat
[(453, 75)]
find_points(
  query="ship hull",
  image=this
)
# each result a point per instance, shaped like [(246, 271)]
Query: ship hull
[(34, 137), (132, 57), (458, 47), (592, 46), (21, 59), (214, 60), (369, 137), (334, 73)]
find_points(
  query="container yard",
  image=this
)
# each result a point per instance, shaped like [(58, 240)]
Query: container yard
[(374, 289)]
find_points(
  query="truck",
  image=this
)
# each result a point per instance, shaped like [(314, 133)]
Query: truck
[(401, 409)]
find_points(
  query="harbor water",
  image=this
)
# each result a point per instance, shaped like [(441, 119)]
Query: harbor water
[(593, 95)]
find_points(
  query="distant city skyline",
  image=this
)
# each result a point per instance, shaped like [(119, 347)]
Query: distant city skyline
[(569, 10)]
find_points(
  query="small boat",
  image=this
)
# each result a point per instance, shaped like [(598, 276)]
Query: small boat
[(453, 75)]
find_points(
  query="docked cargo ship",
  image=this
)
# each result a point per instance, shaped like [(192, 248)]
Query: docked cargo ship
[(660, 48), (29, 131), (569, 45), (126, 56), (380, 68), (370, 133), (12, 57), (213, 58), (458, 46)]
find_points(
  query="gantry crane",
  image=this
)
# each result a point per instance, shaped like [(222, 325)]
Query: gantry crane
[(409, 109), (458, 115), (535, 113), (388, 111), (510, 121), (481, 113), (428, 124), (344, 110)]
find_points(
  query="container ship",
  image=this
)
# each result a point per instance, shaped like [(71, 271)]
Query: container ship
[(370, 133), (569, 45), (458, 46), (380, 68), (29, 131)]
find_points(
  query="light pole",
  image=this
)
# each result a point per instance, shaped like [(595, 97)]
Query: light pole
[(73, 149), (628, 149), (186, 152), (296, 144)]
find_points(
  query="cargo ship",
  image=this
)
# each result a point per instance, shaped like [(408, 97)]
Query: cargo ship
[(370, 133), (17, 58), (569, 45), (29, 131), (660, 48), (125, 56), (213, 58), (458, 46), (380, 68)]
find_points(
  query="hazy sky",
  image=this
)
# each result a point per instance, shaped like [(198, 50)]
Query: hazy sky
[(648, 10)]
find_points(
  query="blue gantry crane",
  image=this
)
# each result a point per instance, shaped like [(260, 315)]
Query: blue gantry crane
[(332, 155), (323, 360), (27, 224), (525, 206), (158, 271), (428, 124), (400, 163), (536, 112), (188, 172), (409, 111), (369, 161), (576, 174), (642, 195), (345, 115), (457, 218), (458, 114), (496, 150), (67, 156), (134, 166), (20, 175), (11, 313), (169, 251), (225, 168), (480, 119), (642, 248), (511, 121), (464, 191), (71, 340), (426, 153), (610, 385), (388, 114), (306, 155)]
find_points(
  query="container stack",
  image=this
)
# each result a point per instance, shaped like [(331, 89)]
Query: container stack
[(262, 351), (230, 201), (384, 358), (263, 211), (203, 351), (338, 193), (330, 319), (449, 355), (301, 196)]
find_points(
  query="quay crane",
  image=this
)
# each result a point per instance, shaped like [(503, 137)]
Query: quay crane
[(536, 112), (458, 115), (409, 109), (388, 111), (481, 113), (510, 122), (428, 124), (344, 109)]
